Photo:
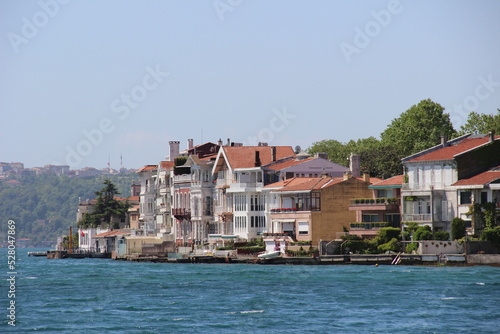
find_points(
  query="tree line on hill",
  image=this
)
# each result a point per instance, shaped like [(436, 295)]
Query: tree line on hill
[(44, 206), (416, 129)]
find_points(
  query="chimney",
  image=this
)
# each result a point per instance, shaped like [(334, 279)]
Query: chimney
[(366, 177), (354, 165), (228, 142), (347, 176), (491, 134), (174, 149), (444, 141), (257, 159), (273, 153), (219, 142), (190, 144)]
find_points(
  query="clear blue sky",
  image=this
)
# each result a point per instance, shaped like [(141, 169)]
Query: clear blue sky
[(84, 80)]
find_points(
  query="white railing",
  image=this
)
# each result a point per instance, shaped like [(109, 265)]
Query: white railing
[(423, 186), (417, 217), (182, 178)]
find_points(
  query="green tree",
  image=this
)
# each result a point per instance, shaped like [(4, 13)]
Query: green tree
[(458, 228), (106, 208), (376, 159), (481, 123), (418, 128), (337, 151), (423, 233)]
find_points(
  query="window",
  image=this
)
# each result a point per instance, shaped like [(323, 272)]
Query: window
[(484, 197), (303, 228), (315, 201), (465, 197), (369, 218)]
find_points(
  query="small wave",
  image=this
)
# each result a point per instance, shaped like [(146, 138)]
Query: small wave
[(246, 312), (480, 283), (29, 277), (252, 311), (179, 319)]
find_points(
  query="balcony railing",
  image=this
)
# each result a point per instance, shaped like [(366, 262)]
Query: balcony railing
[(181, 212), (281, 210), (417, 217), (423, 186)]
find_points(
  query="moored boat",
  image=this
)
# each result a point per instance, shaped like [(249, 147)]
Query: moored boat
[(37, 253), (269, 255)]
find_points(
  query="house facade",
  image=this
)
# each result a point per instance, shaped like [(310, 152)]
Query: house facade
[(430, 195), (240, 173), (314, 209), (383, 209)]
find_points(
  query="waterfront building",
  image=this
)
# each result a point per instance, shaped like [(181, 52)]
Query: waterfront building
[(478, 190), (381, 210), (436, 190), (314, 209), (240, 173)]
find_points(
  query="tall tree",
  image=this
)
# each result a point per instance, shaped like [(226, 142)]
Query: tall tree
[(106, 208), (376, 159), (481, 123), (418, 128)]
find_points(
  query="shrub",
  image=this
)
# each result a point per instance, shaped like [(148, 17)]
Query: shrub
[(441, 235), (492, 235), (386, 234), (423, 233), (411, 247), (458, 228), (393, 245)]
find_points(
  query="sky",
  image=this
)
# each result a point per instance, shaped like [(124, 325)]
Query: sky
[(84, 82)]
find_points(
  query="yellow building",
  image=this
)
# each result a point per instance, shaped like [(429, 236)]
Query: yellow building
[(314, 209)]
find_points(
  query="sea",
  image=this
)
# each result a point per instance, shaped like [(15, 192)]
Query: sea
[(108, 296)]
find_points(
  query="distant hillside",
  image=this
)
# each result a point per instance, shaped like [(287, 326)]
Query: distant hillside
[(44, 206)]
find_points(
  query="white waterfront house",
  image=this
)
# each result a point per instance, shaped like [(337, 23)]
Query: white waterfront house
[(240, 173), (434, 192)]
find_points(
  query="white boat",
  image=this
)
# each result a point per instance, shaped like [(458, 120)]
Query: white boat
[(269, 255)]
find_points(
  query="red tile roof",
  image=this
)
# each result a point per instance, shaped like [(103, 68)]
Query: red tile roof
[(167, 164), (393, 181), (147, 168), (454, 148), (244, 156), (480, 179)]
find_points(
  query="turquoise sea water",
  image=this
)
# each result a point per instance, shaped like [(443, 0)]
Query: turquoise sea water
[(106, 296)]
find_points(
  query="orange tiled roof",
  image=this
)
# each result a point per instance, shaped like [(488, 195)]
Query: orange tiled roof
[(147, 168), (393, 181), (166, 164), (454, 148), (244, 156), (480, 179)]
